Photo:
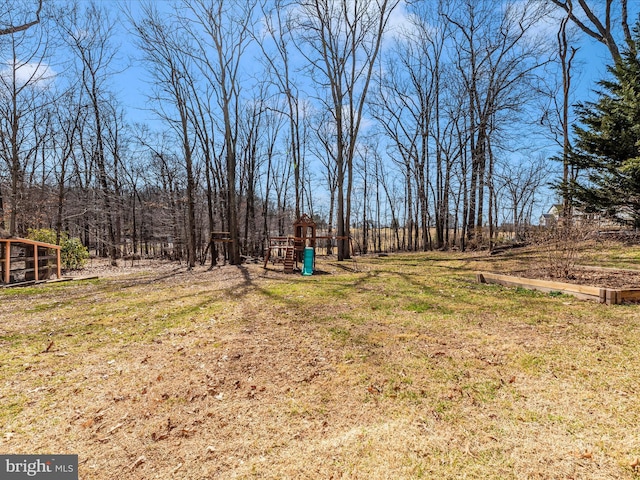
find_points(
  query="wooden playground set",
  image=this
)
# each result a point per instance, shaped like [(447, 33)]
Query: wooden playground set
[(292, 250), (297, 251)]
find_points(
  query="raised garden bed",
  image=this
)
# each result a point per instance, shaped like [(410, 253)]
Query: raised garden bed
[(610, 296)]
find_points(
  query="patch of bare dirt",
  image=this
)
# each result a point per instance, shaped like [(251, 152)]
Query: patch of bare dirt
[(592, 276), (101, 267)]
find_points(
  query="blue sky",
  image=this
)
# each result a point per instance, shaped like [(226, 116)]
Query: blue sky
[(589, 67), (130, 84)]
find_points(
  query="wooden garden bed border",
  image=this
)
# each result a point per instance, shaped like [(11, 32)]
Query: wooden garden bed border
[(610, 296)]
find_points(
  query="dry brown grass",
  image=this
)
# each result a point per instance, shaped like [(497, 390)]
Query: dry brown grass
[(404, 369)]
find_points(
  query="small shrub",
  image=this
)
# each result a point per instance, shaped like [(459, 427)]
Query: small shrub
[(564, 248), (73, 254), (45, 235)]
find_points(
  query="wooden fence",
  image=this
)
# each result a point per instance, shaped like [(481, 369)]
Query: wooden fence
[(23, 260)]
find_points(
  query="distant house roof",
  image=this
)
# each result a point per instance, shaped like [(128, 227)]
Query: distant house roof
[(555, 209), (547, 219)]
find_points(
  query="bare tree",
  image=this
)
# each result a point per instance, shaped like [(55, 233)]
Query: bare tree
[(343, 40), (274, 122), (522, 183), (602, 26), (325, 150), (8, 26), (205, 134), (222, 32), (164, 188), (281, 184), (89, 33), (497, 59), (279, 66), (67, 114), (23, 96), (165, 52), (408, 108), (402, 108), (566, 54), (251, 133)]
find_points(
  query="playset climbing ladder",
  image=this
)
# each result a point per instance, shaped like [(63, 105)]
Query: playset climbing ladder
[(281, 250), (289, 259)]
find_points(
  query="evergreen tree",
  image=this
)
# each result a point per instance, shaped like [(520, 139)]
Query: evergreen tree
[(608, 145)]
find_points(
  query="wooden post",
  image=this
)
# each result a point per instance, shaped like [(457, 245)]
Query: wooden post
[(612, 297), (7, 262), (59, 272), (35, 263)]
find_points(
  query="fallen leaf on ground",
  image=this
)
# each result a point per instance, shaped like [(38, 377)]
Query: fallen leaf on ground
[(138, 462)]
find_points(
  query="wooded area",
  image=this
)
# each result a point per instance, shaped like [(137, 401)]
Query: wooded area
[(406, 127)]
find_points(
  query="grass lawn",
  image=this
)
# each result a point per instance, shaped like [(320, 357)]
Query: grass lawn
[(405, 368)]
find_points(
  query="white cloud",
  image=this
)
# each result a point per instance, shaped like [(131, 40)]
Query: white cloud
[(36, 74), (400, 19)]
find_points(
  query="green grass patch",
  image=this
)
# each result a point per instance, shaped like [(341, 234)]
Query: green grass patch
[(406, 368), (341, 335)]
